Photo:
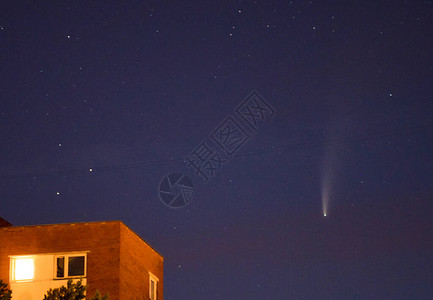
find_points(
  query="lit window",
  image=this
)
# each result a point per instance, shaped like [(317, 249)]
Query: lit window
[(70, 266), (23, 268), (153, 286)]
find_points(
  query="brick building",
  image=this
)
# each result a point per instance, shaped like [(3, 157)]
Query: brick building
[(107, 256)]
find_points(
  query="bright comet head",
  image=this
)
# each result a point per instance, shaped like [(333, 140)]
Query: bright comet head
[(324, 214)]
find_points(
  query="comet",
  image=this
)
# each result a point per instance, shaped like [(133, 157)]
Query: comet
[(332, 164), (329, 171), (325, 194)]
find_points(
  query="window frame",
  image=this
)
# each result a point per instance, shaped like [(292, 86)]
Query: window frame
[(13, 260), (66, 257), (153, 278)]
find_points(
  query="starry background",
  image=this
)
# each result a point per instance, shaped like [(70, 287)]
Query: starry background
[(129, 89)]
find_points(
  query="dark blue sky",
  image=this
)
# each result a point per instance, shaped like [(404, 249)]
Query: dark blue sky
[(130, 89)]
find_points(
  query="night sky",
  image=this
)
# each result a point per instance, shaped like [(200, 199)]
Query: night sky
[(100, 100)]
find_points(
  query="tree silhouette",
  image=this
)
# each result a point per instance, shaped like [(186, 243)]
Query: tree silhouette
[(72, 291), (5, 293)]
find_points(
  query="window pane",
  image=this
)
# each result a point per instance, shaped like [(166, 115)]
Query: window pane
[(24, 269), (60, 267), (76, 266), (152, 290)]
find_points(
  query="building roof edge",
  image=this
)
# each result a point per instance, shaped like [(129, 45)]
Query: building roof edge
[(9, 227)]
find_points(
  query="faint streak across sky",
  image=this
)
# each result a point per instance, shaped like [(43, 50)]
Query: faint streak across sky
[(328, 143)]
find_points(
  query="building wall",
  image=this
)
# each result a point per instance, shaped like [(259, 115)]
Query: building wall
[(118, 260), (34, 290), (137, 259), (100, 239)]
